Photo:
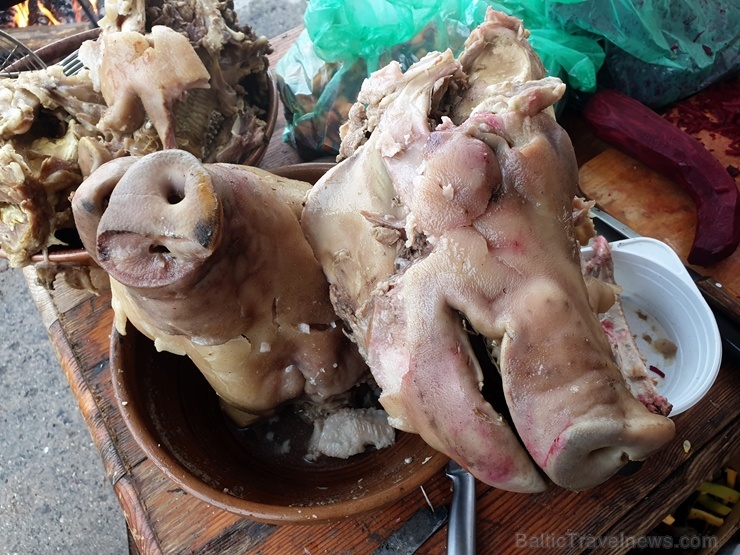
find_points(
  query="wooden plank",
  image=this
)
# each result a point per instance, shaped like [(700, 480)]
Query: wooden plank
[(649, 203), (136, 518), (362, 535), (185, 524), (671, 492)]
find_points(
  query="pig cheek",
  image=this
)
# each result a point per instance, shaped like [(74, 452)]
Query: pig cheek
[(452, 196)]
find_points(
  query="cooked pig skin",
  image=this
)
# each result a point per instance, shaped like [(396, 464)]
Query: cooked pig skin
[(160, 67), (404, 322), (210, 261), (568, 400), (504, 255)]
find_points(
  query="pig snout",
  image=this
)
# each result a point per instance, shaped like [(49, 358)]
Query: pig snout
[(162, 220)]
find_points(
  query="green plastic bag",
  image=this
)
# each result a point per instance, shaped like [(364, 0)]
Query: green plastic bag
[(346, 40), (659, 51), (571, 53), (347, 30)]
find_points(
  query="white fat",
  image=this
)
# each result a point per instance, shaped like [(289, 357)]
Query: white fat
[(119, 315), (347, 432), (163, 344), (411, 227)]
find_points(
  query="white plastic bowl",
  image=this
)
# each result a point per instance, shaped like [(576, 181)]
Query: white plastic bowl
[(662, 302)]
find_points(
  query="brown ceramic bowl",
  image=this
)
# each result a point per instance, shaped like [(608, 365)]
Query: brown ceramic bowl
[(176, 419), (56, 51)]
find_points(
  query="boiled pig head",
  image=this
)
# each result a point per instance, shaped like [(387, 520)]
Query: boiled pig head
[(436, 226), (210, 261)]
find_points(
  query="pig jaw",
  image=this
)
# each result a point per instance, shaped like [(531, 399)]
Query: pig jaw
[(592, 425), (421, 357)]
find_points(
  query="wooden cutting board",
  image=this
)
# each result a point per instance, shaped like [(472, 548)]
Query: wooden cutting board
[(657, 207)]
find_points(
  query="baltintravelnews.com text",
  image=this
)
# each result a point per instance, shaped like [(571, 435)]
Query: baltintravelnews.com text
[(622, 541)]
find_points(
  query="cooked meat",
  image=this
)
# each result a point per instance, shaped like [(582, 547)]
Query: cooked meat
[(348, 432), (210, 261), (162, 74), (431, 217), (43, 115), (221, 121), (628, 356), (142, 76)]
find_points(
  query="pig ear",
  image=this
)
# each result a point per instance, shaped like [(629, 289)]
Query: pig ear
[(91, 199)]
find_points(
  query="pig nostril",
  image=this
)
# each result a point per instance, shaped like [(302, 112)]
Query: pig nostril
[(175, 193), (174, 197), (158, 249)]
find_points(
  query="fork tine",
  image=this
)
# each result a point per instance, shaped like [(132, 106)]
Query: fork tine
[(73, 68), (67, 59), (71, 64)]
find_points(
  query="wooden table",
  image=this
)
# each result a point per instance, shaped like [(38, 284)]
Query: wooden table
[(162, 518)]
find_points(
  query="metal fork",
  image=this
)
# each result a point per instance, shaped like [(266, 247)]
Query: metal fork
[(16, 56), (71, 64)]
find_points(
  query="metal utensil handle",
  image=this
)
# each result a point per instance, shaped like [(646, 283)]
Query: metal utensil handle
[(461, 526)]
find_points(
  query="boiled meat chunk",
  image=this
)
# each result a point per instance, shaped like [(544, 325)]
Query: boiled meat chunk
[(630, 360), (43, 116), (210, 261), (186, 69), (436, 224), (140, 75), (347, 432)]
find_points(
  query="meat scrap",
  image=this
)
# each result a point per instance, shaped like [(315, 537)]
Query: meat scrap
[(455, 196), (142, 76), (43, 116), (200, 77), (630, 360), (348, 431)]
